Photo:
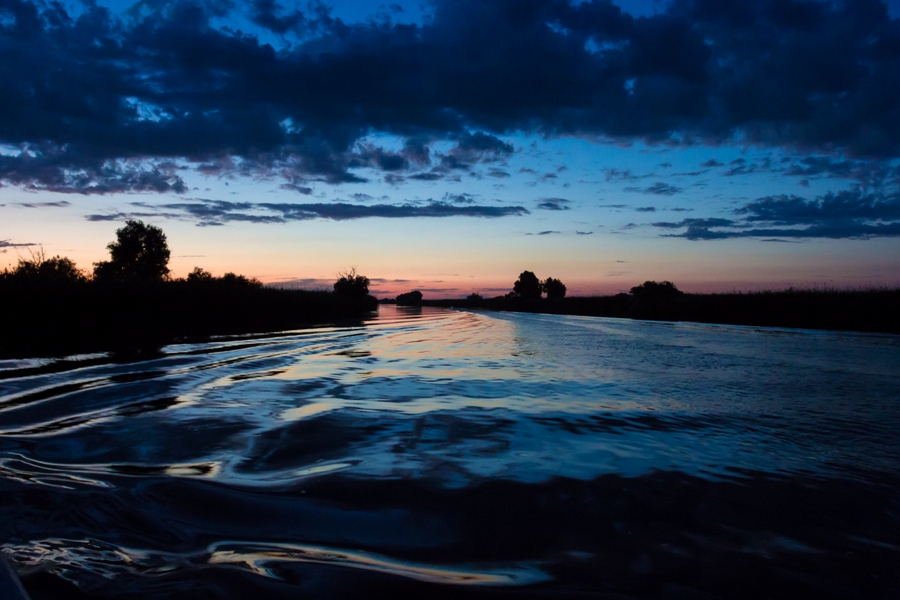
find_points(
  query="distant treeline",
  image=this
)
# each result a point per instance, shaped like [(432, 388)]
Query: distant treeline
[(52, 308), (867, 310)]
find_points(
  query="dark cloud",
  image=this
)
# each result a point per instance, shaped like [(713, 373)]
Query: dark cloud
[(646, 209), (269, 15), (847, 214), (623, 175), (4, 244), (60, 204), (869, 174), (712, 163), (218, 212), (554, 204), (659, 189), (546, 232), (850, 230), (584, 233), (171, 81), (459, 198), (829, 208), (301, 189), (45, 168), (427, 176), (696, 223)]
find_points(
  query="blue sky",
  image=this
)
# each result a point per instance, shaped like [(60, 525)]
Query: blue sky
[(447, 146)]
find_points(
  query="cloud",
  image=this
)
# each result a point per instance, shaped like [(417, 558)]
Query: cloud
[(218, 212), (584, 233), (623, 175), (659, 189), (554, 204), (99, 101), (427, 176), (4, 244), (742, 166), (850, 230), (646, 209), (59, 204), (712, 163), (841, 215), (869, 173), (60, 170), (459, 198), (696, 223), (831, 207)]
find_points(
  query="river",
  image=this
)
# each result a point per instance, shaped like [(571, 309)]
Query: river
[(455, 454)]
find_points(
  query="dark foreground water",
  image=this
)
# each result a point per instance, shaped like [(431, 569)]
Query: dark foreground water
[(453, 454)]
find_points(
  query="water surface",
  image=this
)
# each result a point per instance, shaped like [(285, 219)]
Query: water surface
[(458, 454)]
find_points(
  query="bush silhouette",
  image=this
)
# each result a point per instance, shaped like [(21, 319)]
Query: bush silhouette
[(199, 275), (413, 298), (528, 285), (351, 284), (554, 288), (139, 252), (41, 270), (653, 289)]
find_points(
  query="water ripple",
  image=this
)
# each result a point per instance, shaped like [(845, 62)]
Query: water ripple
[(101, 459)]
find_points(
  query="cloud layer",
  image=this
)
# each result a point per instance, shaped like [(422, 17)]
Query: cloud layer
[(218, 212), (95, 103), (848, 214)]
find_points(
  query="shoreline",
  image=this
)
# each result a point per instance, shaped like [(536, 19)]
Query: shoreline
[(133, 319), (865, 311)]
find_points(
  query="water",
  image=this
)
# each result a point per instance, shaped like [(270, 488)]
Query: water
[(457, 454)]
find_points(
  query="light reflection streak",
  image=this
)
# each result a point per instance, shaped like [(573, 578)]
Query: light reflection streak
[(257, 557)]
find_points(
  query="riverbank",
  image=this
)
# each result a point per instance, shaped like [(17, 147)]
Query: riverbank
[(872, 310), (57, 319)]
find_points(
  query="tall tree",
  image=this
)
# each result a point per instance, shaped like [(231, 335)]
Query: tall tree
[(554, 288), (528, 285), (139, 252)]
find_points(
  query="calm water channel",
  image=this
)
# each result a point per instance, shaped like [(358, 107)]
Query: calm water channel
[(459, 454)]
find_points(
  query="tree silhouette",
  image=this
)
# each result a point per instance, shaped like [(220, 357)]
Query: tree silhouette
[(40, 269), (653, 289), (528, 285), (351, 284), (199, 275), (554, 288), (413, 298), (139, 252)]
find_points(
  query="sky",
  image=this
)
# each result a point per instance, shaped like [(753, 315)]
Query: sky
[(448, 145)]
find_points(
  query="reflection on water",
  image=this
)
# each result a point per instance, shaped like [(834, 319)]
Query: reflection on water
[(443, 452)]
